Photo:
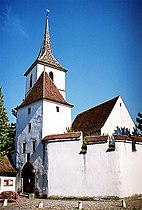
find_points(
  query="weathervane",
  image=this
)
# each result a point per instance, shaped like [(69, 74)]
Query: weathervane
[(47, 11)]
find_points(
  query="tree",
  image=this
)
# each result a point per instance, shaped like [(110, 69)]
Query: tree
[(139, 121), (7, 131)]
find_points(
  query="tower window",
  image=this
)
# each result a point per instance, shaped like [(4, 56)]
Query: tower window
[(28, 157), (51, 75), (57, 109), (30, 127), (24, 147), (29, 110), (34, 146), (31, 80)]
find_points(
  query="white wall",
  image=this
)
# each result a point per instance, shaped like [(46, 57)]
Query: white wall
[(64, 171), (120, 117), (7, 179), (98, 173), (34, 78), (55, 122), (130, 167), (22, 133)]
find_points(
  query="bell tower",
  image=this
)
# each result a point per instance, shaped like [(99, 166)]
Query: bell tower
[(43, 111), (46, 61)]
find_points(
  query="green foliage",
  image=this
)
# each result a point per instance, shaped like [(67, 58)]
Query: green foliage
[(139, 121), (7, 132), (69, 129)]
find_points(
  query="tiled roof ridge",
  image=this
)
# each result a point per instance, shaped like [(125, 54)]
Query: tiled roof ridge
[(44, 88), (62, 136), (45, 53)]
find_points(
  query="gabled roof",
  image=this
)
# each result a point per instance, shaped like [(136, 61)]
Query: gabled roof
[(6, 167), (44, 88), (96, 139), (45, 55), (69, 135), (93, 119), (119, 137)]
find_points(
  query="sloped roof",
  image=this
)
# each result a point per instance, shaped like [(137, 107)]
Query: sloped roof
[(44, 88), (6, 167), (93, 119), (96, 139), (69, 135), (45, 55), (127, 138)]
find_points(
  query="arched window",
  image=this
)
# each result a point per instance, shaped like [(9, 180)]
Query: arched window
[(31, 80), (51, 75)]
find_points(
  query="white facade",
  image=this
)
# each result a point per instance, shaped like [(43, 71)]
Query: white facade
[(7, 183), (118, 118)]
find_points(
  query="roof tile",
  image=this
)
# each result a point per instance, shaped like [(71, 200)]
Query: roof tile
[(69, 135), (96, 139), (128, 138), (93, 119), (6, 167)]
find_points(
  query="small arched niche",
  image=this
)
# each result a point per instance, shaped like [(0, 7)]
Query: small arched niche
[(51, 75)]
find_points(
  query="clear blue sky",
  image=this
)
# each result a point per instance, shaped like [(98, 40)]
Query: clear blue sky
[(98, 41)]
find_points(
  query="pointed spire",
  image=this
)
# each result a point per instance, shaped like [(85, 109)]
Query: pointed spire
[(45, 54)]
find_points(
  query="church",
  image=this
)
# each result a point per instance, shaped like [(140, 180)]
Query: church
[(95, 155)]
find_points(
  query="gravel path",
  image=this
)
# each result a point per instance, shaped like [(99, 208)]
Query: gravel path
[(32, 204)]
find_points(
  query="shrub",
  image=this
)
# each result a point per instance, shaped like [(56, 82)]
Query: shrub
[(10, 195)]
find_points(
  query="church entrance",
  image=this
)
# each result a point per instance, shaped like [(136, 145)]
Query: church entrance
[(28, 178)]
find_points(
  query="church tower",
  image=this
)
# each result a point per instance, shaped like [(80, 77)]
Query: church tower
[(44, 111)]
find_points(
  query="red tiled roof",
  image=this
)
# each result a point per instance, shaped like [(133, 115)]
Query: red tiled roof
[(44, 88), (93, 119), (96, 139), (128, 138), (69, 135), (6, 167)]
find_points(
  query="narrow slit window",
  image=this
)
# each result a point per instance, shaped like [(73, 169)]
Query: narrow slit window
[(30, 127), (28, 157), (29, 110), (34, 146), (24, 147), (31, 80), (57, 108)]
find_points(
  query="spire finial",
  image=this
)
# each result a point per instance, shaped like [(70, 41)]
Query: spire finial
[(47, 12)]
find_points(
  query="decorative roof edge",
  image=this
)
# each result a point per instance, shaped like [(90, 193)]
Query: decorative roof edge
[(62, 136)]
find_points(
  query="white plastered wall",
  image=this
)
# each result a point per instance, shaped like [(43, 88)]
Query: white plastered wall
[(33, 72), (98, 173), (55, 122), (64, 168), (130, 167), (120, 117)]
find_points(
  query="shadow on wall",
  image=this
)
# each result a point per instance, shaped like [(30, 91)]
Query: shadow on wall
[(122, 131)]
